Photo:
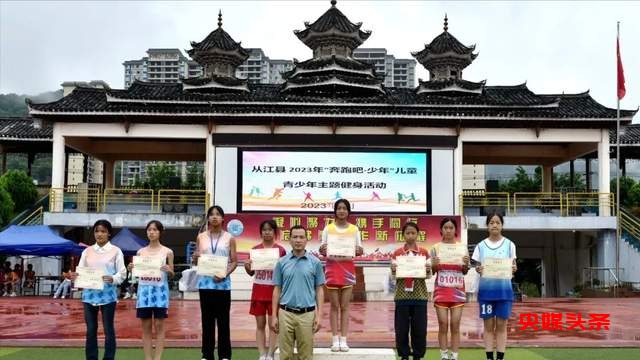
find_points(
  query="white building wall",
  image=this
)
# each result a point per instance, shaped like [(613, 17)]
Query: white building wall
[(442, 196)]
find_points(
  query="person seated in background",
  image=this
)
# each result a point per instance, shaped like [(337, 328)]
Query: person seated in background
[(2, 278), (12, 281), (64, 289), (29, 278)]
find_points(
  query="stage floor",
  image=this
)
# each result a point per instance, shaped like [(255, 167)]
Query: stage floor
[(43, 321)]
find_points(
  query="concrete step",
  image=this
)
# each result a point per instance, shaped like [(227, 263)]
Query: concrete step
[(353, 353)]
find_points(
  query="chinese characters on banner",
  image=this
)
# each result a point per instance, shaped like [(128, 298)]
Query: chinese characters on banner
[(553, 321), (381, 235)]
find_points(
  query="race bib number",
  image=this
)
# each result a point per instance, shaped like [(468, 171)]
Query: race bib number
[(452, 279), (264, 277), (150, 281)]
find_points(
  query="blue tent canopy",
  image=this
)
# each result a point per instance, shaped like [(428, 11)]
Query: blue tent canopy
[(38, 240), (128, 242)]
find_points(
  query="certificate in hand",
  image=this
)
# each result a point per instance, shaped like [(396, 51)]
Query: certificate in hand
[(495, 268), (451, 254), (264, 259), (89, 278), (411, 267), (212, 265), (147, 266), (341, 245)]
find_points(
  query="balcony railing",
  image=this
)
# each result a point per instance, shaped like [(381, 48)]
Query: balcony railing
[(478, 202), (127, 200)]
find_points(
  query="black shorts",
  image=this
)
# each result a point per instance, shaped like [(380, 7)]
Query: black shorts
[(152, 312)]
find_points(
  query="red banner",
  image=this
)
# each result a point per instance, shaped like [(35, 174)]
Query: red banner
[(381, 234), (621, 88)]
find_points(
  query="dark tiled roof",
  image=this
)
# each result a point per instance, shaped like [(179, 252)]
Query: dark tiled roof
[(320, 78), (217, 39), (333, 75), (444, 84), (223, 80), (445, 43), (583, 105), (141, 89), (511, 103), (333, 19), (341, 61), (13, 128), (630, 135)]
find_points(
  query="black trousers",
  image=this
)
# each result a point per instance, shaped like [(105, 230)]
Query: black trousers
[(411, 319), (214, 310)]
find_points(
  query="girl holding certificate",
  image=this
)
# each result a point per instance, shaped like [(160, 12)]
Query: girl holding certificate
[(105, 259), (153, 291), (262, 291), (496, 258), (215, 291), (450, 262), (411, 299), (340, 271)]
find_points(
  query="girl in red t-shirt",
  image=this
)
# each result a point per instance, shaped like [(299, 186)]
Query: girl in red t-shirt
[(448, 291), (262, 291)]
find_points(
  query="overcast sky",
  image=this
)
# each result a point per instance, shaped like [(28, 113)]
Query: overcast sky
[(554, 46)]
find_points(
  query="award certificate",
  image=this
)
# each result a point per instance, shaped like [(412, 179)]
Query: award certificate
[(147, 266), (495, 268), (411, 267), (89, 278), (451, 254), (213, 265), (264, 259), (341, 246)]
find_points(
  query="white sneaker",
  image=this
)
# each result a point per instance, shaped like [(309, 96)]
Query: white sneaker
[(126, 296), (55, 296), (62, 297), (13, 294), (343, 344), (335, 345), (134, 296)]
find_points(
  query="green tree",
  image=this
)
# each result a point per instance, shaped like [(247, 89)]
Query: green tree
[(21, 188), (16, 161), (159, 174), (626, 185), (41, 169), (522, 182), (137, 182), (195, 176), (563, 182), (633, 199), (6, 207), (118, 173)]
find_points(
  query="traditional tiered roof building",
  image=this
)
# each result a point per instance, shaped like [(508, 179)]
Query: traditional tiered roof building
[(219, 55)]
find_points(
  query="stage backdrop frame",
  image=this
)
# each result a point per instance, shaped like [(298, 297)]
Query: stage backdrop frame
[(415, 166)]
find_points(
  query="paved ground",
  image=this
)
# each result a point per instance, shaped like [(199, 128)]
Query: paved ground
[(42, 321)]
